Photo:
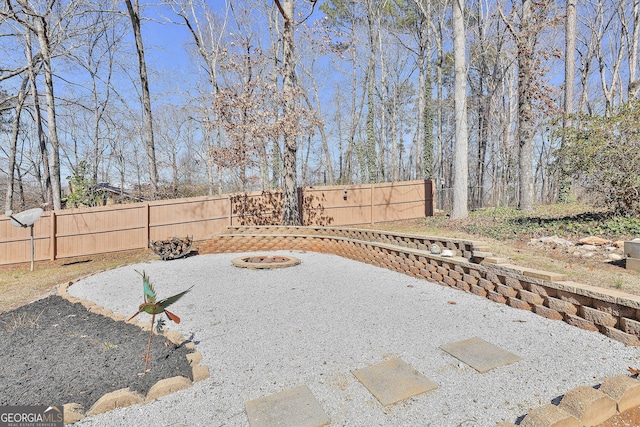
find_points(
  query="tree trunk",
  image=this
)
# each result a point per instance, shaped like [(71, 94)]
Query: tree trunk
[(43, 40), (370, 144), (461, 169), (425, 114), (526, 62), (290, 211), (13, 149), (565, 193), (134, 14)]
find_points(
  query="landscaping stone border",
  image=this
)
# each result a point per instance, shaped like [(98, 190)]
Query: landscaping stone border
[(247, 262), (73, 412)]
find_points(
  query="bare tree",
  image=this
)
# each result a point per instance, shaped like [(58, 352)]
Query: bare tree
[(13, 148), (564, 185), (290, 212), (134, 15), (461, 169), (532, 19), (38, 22)]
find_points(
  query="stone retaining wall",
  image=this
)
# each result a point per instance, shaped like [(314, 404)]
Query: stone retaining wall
[(473, 269)]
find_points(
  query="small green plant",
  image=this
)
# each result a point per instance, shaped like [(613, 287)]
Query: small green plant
[(109, 346), (152, 307), (618, 283)]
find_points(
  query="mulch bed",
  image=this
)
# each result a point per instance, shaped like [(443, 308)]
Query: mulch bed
[(55, 352)]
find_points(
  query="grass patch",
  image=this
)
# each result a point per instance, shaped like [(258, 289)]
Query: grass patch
[(19, 286), (23, 320), (569, 221)]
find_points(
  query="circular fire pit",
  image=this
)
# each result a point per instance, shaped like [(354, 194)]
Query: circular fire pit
[(265, 261)]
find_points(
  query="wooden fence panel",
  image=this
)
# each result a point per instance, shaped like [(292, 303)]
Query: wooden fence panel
[(200, 217), (15, 242), (86, 231), (337, 205), (399, 200), (98, 230)]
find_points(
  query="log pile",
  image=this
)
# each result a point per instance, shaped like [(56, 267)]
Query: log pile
[(172, 248)]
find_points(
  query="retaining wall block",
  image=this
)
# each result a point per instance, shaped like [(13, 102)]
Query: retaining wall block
[(598, 317), (455, 275), (624, 390), (541, 290), (588, 405), (471, 280), (574, 298), (477, 290), (543, 311), (512, 282), (475, 273), (618, 335), (516, 303), (561, 306), (614, 309), (530, 297), (463, 286), (549, 415), (581, 323), (496, 297), (506, 290), (630, 326), (492, 277), (486, 284)]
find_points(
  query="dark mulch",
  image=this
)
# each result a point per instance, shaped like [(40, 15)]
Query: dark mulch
[(55, 352)]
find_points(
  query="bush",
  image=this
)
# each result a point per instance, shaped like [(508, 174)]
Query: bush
[(603, 153)]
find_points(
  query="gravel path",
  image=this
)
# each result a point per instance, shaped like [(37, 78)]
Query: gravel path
[(264, 331)]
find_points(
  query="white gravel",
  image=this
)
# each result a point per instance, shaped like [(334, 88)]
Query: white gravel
[(264, 331)]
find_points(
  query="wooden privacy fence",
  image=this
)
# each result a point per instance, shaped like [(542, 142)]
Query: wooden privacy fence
[(85, 231)]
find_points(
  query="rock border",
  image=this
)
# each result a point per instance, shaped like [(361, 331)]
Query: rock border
[(124, 397), (586, 405), (244, 262)]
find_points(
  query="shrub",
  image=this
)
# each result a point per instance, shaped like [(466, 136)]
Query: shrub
[(603, 152)]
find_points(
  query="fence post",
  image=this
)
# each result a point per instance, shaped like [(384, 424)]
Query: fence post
[(429, 197), (52, 236), (230, 210)]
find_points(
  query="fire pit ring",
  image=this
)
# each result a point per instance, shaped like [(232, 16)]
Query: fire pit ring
[(265, 261)]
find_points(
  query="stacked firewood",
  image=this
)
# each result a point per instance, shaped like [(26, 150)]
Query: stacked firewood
[(172, 248)]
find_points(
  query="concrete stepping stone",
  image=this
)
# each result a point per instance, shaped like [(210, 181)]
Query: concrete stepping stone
[(479, 354), (393, 380), (296, 407)]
